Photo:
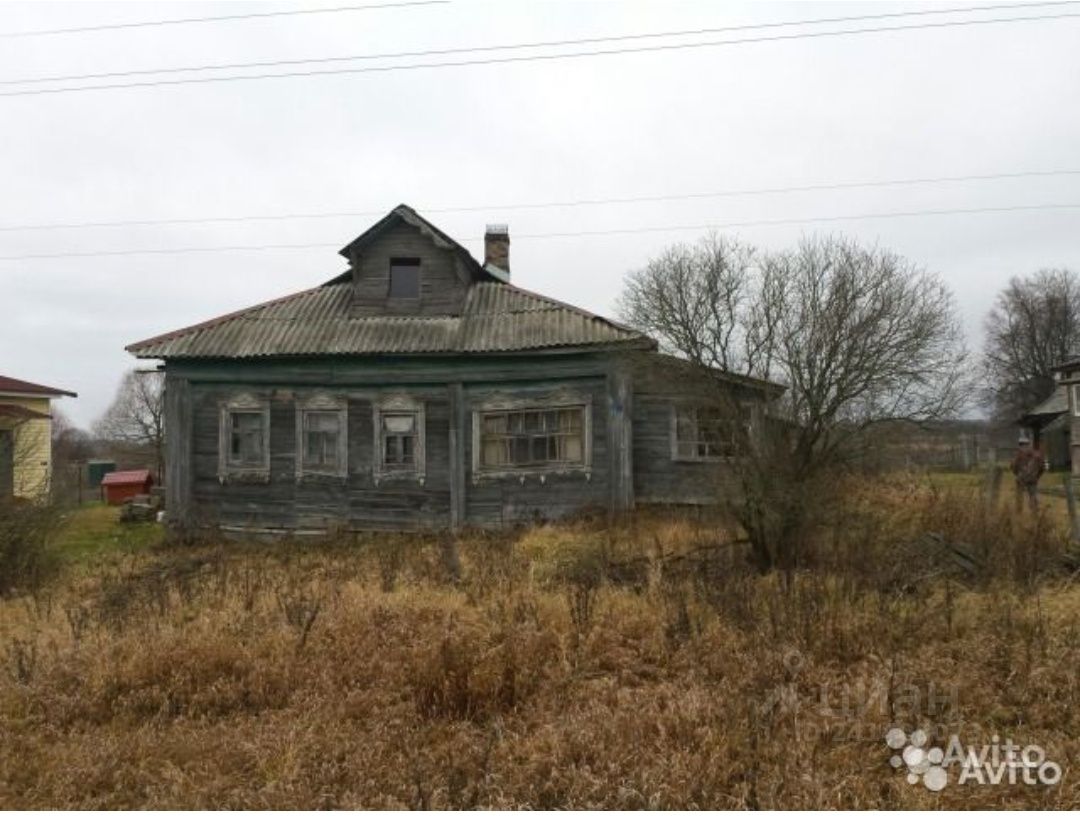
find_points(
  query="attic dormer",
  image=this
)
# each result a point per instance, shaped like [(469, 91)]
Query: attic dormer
[(404, 265)]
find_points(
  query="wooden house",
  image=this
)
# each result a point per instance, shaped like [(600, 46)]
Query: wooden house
[(421, 389), (1047, 426), (26, 438), (1067, 376)]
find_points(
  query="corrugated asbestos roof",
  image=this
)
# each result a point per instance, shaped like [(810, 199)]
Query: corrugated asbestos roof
[(1057, 403), (496, 318)]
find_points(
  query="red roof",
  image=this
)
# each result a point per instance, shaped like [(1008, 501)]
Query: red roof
[(15, 386), (135, 477)]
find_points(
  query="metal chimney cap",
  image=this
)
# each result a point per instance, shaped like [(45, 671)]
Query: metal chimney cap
[(497, 230)]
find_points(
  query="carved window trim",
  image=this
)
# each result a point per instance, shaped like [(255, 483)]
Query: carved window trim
[(398, 404), (322, 402), (545, 401), (229, 469)]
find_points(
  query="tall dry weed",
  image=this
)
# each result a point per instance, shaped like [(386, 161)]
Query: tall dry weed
[(643, 666)]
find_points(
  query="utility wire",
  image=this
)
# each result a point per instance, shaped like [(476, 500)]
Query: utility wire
[(814, 220), (532, 57), (516, 46), (570, 234), (224, 18), (547, 205)]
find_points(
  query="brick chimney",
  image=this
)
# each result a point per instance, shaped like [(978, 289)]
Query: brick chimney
[(497, 247)]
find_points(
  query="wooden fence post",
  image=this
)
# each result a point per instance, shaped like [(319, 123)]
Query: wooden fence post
[(992, 488)]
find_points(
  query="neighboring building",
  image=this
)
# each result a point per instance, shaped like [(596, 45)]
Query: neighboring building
[(421, 389), (118, 486), (1068, 378), (96, 470), (26, 438), (937, 445), (1048, 427)]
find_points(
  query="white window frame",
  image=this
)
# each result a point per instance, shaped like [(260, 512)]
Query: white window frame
[(322, 402), (560, 399), (228, 469), (1075, 390), (398, 404), (678, 456)]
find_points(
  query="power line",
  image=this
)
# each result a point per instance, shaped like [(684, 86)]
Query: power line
[(814, 220), (548, 205), (517, 46), (223, 18), (570, 234), (530, 58)]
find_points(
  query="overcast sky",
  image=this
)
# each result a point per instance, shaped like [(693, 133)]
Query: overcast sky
[(947, 101)]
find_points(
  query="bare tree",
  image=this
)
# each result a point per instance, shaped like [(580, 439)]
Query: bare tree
[(857, 336), (69, 442), (693, 298), (137, 414), (1033, 326), (71, 448)]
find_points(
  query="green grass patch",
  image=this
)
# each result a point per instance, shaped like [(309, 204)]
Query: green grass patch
[(95, 530)]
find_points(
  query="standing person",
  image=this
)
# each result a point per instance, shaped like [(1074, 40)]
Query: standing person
[(1028, 466)]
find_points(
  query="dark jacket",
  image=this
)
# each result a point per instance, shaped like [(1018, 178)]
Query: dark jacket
[(1028, 465)]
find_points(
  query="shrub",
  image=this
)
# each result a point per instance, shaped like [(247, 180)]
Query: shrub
[(25, 559)]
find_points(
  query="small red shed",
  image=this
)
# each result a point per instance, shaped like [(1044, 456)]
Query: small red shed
[(118, 486)]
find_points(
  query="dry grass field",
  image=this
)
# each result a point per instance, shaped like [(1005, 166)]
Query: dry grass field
[(568, 666)]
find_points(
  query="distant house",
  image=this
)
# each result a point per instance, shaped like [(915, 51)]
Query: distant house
[(1068, 378), (26, 437), (420, 388), (1048, 425)]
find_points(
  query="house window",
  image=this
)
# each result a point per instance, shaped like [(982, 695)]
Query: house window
[(706, 432), (321, 432), (404, 278), (247, 438), (532, 437), (1076, 399), (244, 438), (399, 438)]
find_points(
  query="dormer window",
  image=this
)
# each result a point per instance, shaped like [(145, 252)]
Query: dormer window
[(404, 278)]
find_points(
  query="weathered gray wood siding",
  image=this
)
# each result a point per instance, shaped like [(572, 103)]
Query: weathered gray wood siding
[(658, 476), (450, 389), (179, 448), (402, 503), (493, 501), (319, 502), (443, 280)]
